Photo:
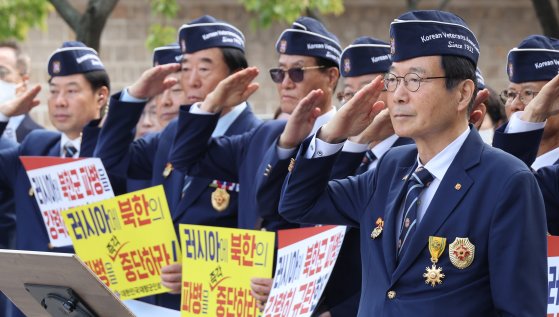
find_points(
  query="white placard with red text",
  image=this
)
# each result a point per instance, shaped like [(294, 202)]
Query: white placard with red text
[(553, 276), (61, 183), (304, 263)]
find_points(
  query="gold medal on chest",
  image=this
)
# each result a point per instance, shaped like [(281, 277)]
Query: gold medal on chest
[(461, 252), (220, 199), (434, 275), (168, 169)]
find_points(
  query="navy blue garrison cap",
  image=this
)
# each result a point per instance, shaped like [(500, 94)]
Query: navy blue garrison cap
[(535, 59), (480, 80), (167, 54), (432, 32), (366, 55), (74, 58), (208, 32), (309, 37)]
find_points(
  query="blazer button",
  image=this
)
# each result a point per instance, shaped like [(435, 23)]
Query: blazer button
[(391, 294)]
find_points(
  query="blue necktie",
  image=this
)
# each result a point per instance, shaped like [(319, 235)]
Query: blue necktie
[(368, 158), (420, 179), (69, 150), (186, 184)]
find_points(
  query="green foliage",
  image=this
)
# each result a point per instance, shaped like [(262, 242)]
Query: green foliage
[(166, 8), (161, 33), (268, 11), (17, 16)]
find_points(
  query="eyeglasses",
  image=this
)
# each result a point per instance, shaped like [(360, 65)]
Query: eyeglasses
[(525, 96), (412, 81), (296, 74), (344, 97)]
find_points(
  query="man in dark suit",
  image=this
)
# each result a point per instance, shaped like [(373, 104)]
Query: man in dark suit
[(531, 128), (308, 60), (14, 69), (436, 240), (79, 88), (360, 63), (205, 62), (529, 67)]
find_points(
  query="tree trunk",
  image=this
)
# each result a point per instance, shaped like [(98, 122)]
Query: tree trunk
[(89, 25), (547, 18)]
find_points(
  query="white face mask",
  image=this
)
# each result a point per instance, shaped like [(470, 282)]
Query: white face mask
[(7, 91), (487, 135)]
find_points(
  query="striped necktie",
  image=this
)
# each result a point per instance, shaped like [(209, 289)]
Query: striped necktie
[(69, 150), (368, 158), (419, 180)]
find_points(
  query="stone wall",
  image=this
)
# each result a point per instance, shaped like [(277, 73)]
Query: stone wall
[(498, 24)]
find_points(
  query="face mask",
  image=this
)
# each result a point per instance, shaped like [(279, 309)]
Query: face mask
[(487, 135), (7, 91)]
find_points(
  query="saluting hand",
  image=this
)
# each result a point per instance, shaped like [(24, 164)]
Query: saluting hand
[(22, 103), (301, 121), (231, 91), (378, 130), (154, 81), (545, 103), (355, 115)]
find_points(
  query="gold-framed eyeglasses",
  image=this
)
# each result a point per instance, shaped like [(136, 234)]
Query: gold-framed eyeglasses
[(412, 81), (525, 96)]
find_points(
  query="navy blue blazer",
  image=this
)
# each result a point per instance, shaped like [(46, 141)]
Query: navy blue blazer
[(486, 196), (7, 209), (522, 145), (148, 158), (25, 127), (341, 295), (525, 146), (229, 158)]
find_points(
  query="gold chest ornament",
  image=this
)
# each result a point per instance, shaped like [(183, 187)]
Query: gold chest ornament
[(434, 275), (461, 252), (220, 199)]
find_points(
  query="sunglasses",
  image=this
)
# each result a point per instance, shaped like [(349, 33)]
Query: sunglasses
[(296, 74)]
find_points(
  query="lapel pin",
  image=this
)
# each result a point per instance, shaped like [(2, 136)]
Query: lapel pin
[(457, 186), (378, 229)]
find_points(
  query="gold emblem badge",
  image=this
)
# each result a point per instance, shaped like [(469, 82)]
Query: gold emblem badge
[(283, 46), (461, 252), (458, 186), (31, 192), (220, 199), (378, 229), (347, 65), (168, 169), (434, 275), (510, 68), (183, 45), (56, 67), (291, 165)]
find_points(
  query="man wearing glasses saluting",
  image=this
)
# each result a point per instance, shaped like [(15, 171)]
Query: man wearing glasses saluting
[(308, 60), (530, 66)]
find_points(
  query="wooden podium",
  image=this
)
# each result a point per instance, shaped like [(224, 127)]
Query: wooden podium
[(60, 281)]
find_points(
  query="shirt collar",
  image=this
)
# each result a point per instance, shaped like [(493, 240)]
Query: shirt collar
[(439, 164), (64, 139), (227, 120), (385, 145), (546, 159)]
